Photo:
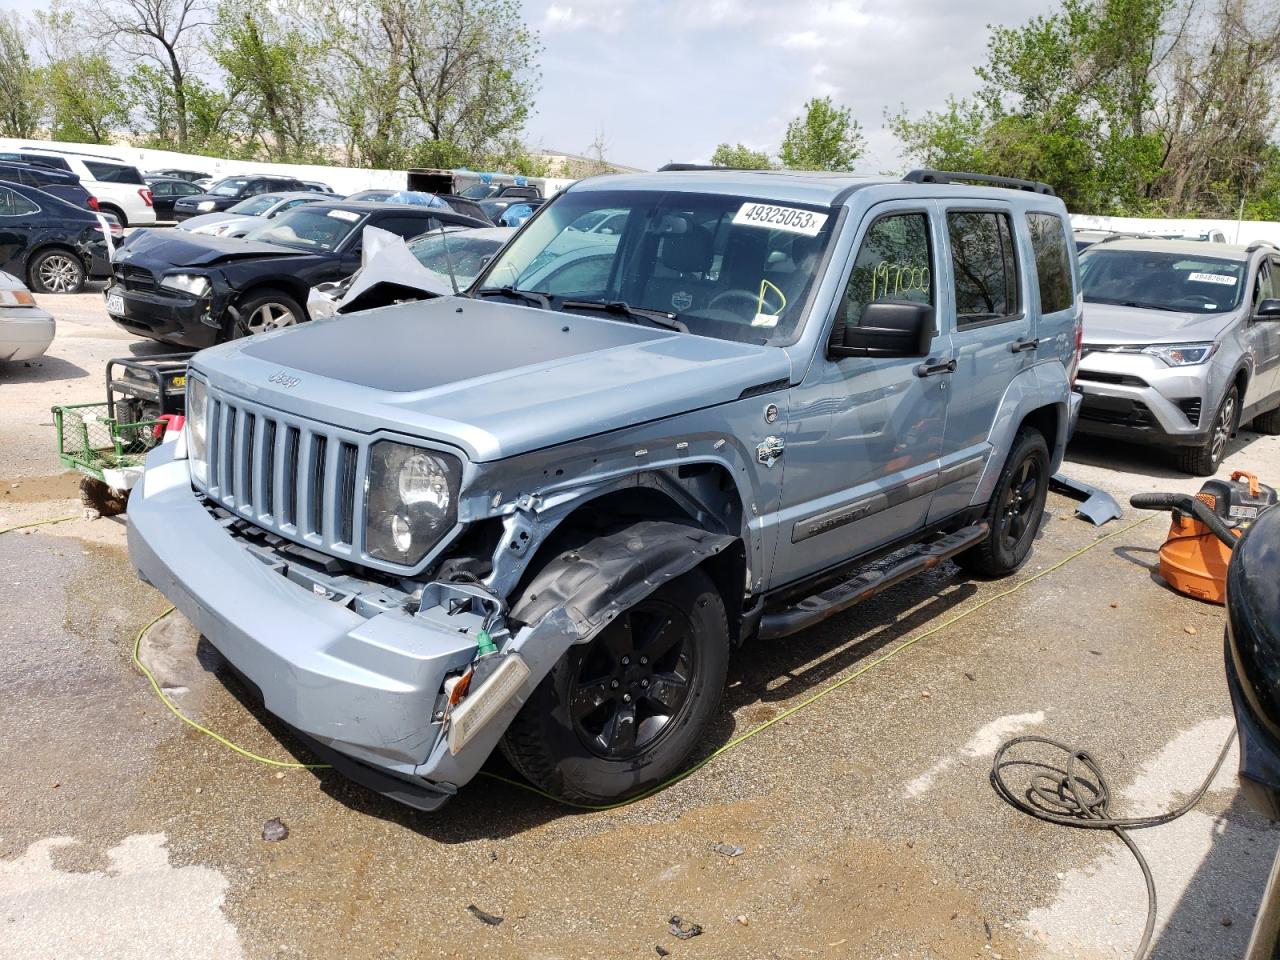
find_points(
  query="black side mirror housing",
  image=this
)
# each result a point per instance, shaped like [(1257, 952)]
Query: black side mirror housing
[(889, 328), (1268, 310)]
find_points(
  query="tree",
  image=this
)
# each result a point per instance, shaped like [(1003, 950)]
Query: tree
[(741, 158), (272, 68), (21, 94), (86, 96), (165, 33), (826, 137), (1159, 107)]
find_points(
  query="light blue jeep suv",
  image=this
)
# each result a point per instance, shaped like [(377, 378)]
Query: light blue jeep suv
[(540, 514)]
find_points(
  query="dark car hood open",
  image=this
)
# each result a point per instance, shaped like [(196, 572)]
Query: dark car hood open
[(183, 248), (493, 378)]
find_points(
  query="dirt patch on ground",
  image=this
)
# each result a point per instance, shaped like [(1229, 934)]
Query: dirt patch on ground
[(59, 486)]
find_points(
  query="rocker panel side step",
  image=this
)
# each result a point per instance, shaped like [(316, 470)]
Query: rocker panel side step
[(837, 599)]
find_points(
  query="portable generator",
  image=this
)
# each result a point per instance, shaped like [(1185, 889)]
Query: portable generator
[(1205, 528)]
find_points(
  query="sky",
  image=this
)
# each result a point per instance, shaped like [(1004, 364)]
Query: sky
[(666, 80)]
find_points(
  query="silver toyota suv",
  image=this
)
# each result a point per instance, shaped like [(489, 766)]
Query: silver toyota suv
[(541, 514), (1182, 344)]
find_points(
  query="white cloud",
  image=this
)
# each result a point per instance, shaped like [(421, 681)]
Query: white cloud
[(603, 16), (804, 40)]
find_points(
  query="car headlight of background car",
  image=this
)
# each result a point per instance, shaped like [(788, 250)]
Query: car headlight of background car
[(1182, 354), (197, 429), (204, 206), (411, 500), (191, 283)]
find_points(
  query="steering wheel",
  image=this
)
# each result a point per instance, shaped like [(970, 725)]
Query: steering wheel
[(727, 296)]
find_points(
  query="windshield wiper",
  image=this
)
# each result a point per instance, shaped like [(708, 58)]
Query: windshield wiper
[(528, 296), (1149, 306), (618, 308)]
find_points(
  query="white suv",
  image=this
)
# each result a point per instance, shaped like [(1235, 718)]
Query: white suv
[(119, 187)]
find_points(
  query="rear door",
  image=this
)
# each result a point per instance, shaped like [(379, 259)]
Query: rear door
[(990, 316), (864, 433)]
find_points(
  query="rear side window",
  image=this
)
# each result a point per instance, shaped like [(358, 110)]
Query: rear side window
[(113, 172), (58, 163), (15, 205), (986, 271), (407, 226), (894, 263), (1053, 266)]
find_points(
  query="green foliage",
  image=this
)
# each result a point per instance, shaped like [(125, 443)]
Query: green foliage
[(741, 158), (21, 92), (86, 96), (826, 137)]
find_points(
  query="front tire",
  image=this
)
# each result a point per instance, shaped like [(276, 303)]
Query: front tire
[(1203, 461), (266, 311), (618, 716), (56, 271), (1014, 511)]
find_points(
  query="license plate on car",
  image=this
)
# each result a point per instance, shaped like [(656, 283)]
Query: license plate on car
[(115, 303)]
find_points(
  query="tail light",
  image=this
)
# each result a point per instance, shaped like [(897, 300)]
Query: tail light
[(93, 204), (145, 194)]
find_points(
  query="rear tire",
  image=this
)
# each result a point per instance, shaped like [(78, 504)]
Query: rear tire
[(1203, 461), (1014, 511), (619, 716), (1267, 423), (56, 271)]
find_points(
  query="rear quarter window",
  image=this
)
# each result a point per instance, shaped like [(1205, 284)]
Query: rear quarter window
[(13, 204), (1053, 264), (58, 163), (113, 172)]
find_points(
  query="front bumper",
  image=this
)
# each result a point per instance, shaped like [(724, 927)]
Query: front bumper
[(363, 687), (173, 318), (1142, 400)]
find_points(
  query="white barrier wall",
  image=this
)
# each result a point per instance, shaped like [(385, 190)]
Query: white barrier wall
[(1245, 232), (344, 180)]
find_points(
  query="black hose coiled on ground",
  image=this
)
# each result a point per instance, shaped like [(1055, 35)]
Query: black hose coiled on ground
[(1187, 504)]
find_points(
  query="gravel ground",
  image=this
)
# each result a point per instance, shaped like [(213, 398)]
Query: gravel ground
[(867, 821)]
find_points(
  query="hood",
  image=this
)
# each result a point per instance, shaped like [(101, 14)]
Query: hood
[(1112, 323), (205, 219), (493, 379), (186, 249)]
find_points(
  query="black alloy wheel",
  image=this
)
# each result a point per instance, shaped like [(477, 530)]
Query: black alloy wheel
[(633, 681), (1014, 510), (1019, 515)]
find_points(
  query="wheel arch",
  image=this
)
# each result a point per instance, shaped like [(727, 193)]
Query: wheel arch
[(1037, 397), (292, 288)]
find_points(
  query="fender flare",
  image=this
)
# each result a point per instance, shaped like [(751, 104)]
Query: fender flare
[(605, 576), (1029, 391)]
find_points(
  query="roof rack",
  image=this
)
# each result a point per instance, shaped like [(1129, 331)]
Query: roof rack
[(684, 167), (1259, 244), (948, 176)]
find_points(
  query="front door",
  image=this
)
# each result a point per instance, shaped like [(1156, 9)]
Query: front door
[(864, 433), (992, 339), (1264, 337)]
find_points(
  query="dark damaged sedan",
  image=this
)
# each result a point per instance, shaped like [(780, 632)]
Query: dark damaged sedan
[(195, 290)]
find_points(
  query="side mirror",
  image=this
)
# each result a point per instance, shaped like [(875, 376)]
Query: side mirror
[(1268, 310), (889, 328)]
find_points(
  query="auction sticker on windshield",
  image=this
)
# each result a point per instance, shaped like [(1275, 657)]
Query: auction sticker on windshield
[(1212, 278), (347, 215), (790, 219)]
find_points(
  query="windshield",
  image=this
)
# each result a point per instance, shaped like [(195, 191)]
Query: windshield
[(307, 228), (256, 206), (725, 266), (466, 254), (230, 187), (1161, 280), (479, 191)]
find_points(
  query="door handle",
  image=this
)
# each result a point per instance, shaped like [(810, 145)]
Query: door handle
[(933, 367), (1022, 346)]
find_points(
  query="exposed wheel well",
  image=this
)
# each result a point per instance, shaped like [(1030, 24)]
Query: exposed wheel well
[(1045, 420), (1240, 381), (115, 211)]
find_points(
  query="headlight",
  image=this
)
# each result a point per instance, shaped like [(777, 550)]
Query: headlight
[(197, 429), (204, 206), (1182, 354), (190, 283), (411, 501)]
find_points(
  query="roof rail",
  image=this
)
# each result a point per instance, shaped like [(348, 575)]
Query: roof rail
[(73, 153), (1259, 244), (948, 176), (683, 167)]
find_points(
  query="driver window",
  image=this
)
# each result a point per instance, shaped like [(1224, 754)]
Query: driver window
[(1264, 286), (895, 262)]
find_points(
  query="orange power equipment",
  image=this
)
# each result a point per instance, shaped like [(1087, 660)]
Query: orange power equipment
[(1205, 528)]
